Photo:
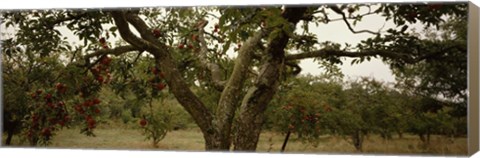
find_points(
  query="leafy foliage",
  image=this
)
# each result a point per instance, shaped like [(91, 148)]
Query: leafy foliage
[(193, 54)]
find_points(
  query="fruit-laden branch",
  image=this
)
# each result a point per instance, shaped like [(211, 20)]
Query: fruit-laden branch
[(142, 28), (177, 85), (114, 51), (344, 17), (214, 69)]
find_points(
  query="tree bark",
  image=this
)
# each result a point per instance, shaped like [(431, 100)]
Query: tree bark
[(229, 98), (255, 101)]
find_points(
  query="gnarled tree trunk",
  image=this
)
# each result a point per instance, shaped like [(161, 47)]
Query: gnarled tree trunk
[(257, 98), (216, 126)]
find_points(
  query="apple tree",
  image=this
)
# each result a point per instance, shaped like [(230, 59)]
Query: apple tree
[(190, 47), (302, 106)]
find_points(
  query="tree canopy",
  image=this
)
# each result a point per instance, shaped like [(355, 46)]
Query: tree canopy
[(185, 51)]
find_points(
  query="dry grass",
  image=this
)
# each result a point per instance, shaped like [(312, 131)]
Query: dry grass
[(373, 145), (192, 140)]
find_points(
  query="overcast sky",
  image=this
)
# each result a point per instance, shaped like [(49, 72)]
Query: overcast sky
[(338, 32)]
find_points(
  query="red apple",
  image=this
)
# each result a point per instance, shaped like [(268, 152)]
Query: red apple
[(102, 40), (156, 33), (181, 46), (48, 96), (160, 86), (59, 86), (143, 122), (91, 123), (88, 103), (154, 70), (105, 61), (46, 131), (100, 79), (96, 101)]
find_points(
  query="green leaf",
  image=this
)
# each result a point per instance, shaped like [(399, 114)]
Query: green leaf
[(113, 29)]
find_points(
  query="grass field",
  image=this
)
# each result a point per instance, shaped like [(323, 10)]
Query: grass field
[(191, 140)]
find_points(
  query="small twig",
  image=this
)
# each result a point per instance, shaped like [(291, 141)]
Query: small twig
[(353, 18), (344, 17)]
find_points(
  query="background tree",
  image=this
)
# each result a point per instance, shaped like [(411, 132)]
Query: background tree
[(302, 104)]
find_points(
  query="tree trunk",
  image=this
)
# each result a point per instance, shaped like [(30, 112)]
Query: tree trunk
[(8, 141), (357, 140), (10, 131), (249, 127), (216, 127), (258, 97), (422, 137), (254, 105), (228, 102), (428, 137), (284, 145)]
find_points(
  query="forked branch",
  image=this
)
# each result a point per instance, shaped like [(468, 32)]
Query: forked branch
[(344, 17), (213, 68)]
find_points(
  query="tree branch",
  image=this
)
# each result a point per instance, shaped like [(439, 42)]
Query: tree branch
[(141, 27), (126, 33), (405, 57), (70, 17), (214, 69), (340, 53), (163, 59), (344, 17), (352, 18), (114, 51)]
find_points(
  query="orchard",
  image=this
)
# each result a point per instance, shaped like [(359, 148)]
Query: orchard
[(235, 72)]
